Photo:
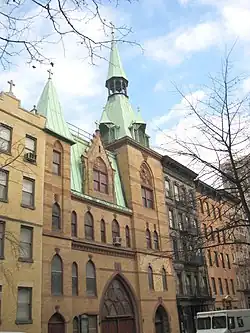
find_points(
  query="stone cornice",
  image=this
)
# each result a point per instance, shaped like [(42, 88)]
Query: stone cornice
[(103, 248)]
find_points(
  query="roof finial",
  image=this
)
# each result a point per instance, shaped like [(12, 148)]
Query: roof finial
[(97, 125), (12, 84), (50, 73)]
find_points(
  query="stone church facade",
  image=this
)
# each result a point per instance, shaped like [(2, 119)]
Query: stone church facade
[(101, 255)]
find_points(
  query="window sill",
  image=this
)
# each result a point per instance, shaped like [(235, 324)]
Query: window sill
[(27, 260), (4, 200), (2, 258), (91, 296), (24, 322), (29, 161), (29, 207)]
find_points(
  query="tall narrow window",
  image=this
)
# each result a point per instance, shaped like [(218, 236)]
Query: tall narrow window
[(56, 276), (73, 224), (176, 192), (24, 305), (175, 248), (74, 279), (171, 218), (220, 286), (89, 226), (214, 289), (100, 176), (164, 279), (90, 278), (216, 260), (76, 326), (127, 232), (228, 261), (1, 297), (146, 187), (30, 145), (219, 213), (232, 286), (26, 243), (207, 208), (150, 278), (209, 258), (56, 167), (2, 231), (156, 241), (227, 287), (28, 193), (222, 260), (103, 231), (92, 324), (180, 221), (168, 191), (148, 239), (56, 217), (4, 175), (5, 138), (115, 229)]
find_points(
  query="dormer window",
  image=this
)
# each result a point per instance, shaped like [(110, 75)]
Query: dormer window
[(100, 176)]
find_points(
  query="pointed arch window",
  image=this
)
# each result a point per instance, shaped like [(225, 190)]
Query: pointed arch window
[(127, 233), (156, 241), (148, 239), (164, 279), (90, 278), (56, 217), (150, 278), (56, 275), (100, 176), (146, 187), (76, 326), (74, 279), (89, 226), (103, 231), (73, 224), (115, 229)]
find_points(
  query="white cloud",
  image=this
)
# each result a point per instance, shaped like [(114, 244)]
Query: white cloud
[(232, 20), (159, 86)]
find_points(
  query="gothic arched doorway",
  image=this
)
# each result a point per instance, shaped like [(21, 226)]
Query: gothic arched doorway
[(118, 313), (56, 324), (161, 320)]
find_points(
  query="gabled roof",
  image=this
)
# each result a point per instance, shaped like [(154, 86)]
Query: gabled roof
[(50, 107), (115, 64)]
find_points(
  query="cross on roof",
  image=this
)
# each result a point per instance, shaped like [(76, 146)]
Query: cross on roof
[(50, 73), (12, 84), (112, 30), (97, 124)]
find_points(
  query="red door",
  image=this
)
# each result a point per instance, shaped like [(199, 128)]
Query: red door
[(56, 328), (118, 325)]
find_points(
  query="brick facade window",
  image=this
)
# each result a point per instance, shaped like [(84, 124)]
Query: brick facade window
[(56, 276), (103, 231), (57, 160), (89, 226), (100, 176), (24, 305), (74, 279), (127, 234), (5, 138), (56, 217), (148, 239), (164, 279), (26, 243), (146, 187), (115, 229), (156, 241), (150, 278), (73, 224), (90, 278), (4, 176), (28, 192)]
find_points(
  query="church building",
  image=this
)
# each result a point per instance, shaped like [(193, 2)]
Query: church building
[(97, 253)]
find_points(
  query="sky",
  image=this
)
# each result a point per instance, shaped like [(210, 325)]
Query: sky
[(182, 42)]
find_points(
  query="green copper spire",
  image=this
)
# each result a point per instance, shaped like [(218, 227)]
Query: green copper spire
[(118, 118), (115, 64), (50, 107)]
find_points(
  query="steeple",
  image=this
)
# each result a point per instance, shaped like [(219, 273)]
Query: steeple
[(50, 107), (117, 81), (118, 118)]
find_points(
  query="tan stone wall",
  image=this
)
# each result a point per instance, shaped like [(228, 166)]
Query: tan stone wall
[(14, 274)]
